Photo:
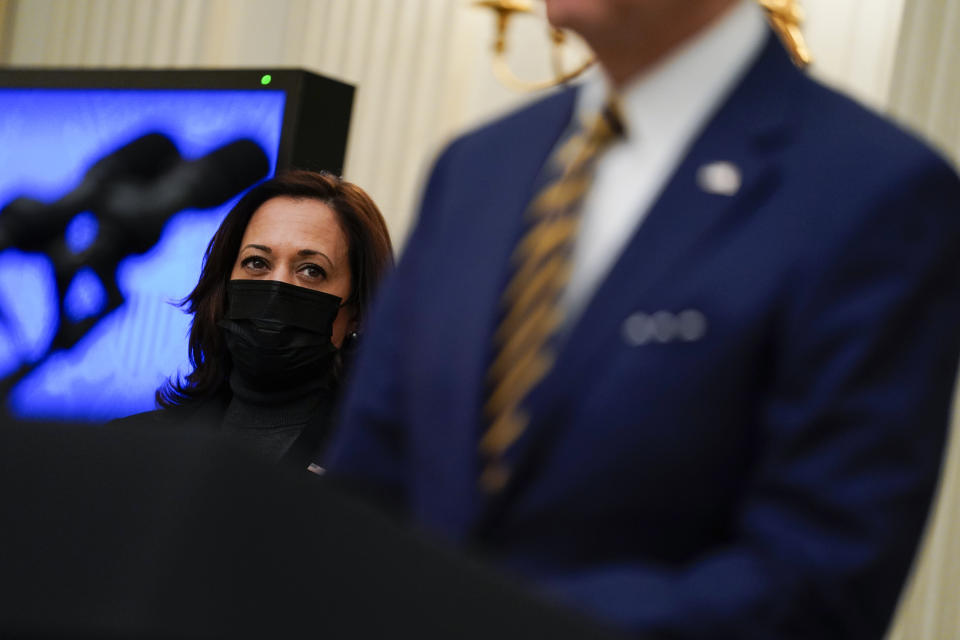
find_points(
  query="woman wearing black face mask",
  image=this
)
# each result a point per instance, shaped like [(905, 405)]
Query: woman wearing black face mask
[(285, 283)]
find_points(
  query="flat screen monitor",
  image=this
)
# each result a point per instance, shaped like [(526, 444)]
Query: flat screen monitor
[(54, 125)]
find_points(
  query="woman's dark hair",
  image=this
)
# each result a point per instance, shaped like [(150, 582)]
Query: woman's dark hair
[(369, 253)]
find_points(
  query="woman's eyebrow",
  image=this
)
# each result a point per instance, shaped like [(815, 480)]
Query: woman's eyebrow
[(261, 247), (312, 252)]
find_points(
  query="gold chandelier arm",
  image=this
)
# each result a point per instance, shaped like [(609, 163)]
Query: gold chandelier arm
[(557, 38), (786, 16), (505, 75)]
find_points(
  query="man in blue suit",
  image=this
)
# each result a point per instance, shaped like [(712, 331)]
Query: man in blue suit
[(739, 429)]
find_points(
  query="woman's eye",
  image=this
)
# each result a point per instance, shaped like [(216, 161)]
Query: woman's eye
[(255, 263), (312, 271)]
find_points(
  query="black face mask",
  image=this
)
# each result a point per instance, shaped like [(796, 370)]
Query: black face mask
[(278, 334)]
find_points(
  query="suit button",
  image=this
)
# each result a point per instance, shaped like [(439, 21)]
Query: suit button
[(494, 477)]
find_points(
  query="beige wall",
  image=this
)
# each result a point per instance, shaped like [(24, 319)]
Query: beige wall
[(925, 87), (423, 73), (6, 26), (854, 43)]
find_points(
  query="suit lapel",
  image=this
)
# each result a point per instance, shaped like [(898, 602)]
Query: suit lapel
[(749, 128)]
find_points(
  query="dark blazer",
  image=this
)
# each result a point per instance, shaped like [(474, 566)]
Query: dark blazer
[(766, 476)]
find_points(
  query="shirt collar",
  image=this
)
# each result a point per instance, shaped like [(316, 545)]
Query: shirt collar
[(679, 94)]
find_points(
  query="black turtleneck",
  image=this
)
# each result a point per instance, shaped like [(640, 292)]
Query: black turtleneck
[(269, 423)]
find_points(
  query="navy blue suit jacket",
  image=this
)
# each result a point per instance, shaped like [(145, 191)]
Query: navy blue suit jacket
[(767, 480)]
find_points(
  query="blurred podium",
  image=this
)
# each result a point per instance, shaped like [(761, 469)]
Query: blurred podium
[(110, 534)]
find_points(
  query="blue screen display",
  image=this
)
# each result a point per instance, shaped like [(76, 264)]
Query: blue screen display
[(48, 139)]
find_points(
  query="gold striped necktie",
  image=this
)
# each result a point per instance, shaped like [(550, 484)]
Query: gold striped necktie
[(524, 346)]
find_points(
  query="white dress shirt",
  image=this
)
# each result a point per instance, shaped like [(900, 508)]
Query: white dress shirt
[(664, 109)]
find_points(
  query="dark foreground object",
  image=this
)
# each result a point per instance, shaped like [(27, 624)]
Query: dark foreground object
[(118, 534)]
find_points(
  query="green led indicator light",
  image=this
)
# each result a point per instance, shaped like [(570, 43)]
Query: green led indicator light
[(265, 80)]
